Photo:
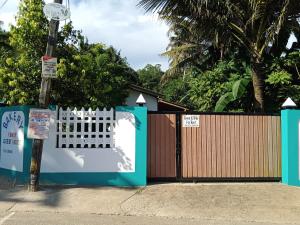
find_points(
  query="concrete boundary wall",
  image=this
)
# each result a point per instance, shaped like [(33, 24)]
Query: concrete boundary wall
[(125, 164), (122, 165), (15, 148), (290, 122)]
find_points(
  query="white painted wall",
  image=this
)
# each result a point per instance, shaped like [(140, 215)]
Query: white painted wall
[(12, 140), (151, 102), (120, 158)]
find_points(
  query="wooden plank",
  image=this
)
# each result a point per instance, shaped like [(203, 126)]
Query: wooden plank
[(218, 147), (189, 151), (213, 147), (183, 152), (265, 149), (233, 148), (223, 145), (278, 146), (247, 147), (251, 147), (275, 155), (270, 148), (173, 146), (199, 148), (208, 146), (242, 145), (148, 146), (237, 156), (158, 146), (153, 146), (228, 146), (203, 149), (167, 145), (256, 146), (163, 145), (194, 152), (261, 147)]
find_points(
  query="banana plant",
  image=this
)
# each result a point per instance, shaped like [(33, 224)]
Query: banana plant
[(238, 89)]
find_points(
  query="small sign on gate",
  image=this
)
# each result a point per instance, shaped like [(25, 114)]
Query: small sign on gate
[(49, 67), (190, 121), (39, 123)]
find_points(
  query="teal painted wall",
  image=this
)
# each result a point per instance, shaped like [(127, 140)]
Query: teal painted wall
[(138, 178), (290, 146), (20, 177)]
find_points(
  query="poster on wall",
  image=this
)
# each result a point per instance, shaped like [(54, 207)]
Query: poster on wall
[(39, 123), (12, 140)]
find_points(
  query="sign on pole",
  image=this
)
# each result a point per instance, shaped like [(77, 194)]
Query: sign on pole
[(49, 66), (39, 123), (190, 121)]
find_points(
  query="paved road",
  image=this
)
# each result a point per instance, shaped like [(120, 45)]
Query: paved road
[(215, 204), (34, 218)]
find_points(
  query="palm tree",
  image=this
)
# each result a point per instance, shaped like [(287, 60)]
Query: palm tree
[(262, 27), (187, 49)]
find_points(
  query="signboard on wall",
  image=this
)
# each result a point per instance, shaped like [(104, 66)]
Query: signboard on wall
[(39, 123), (190, 121), (12, 140)]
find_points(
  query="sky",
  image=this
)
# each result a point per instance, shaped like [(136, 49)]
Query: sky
[(140, 37)]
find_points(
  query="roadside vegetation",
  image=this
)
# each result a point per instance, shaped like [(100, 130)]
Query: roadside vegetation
[(225, 55), (233, 52)]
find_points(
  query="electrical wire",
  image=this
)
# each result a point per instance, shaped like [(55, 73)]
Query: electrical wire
[(3, 4)]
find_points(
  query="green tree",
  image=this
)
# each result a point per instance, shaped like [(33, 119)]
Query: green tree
[(176, 90), (208, 87), (89, 75), (4, 42), (261, 27), (21, 74), (94, 76), (283, 80), (150, 77), (4, 52)]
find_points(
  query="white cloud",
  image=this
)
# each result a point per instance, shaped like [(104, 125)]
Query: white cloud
[(140, 37)]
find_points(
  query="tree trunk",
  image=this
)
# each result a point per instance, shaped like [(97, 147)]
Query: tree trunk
[(258, 81)]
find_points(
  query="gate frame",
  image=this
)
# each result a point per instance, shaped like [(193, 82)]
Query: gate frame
[(178, 161)]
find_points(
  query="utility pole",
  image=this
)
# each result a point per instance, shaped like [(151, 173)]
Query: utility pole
[(44, 99)]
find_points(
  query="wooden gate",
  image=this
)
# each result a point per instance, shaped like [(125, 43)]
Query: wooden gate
[(224, 146), (232, 146), (161, 146)]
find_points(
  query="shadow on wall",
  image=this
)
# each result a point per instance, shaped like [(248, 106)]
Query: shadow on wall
[(111, 162), (130, 117), (87, 160)]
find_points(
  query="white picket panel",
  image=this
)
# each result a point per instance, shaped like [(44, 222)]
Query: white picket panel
[(82, 129)]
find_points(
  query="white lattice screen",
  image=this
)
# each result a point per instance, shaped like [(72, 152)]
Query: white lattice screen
[(85, 128)]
